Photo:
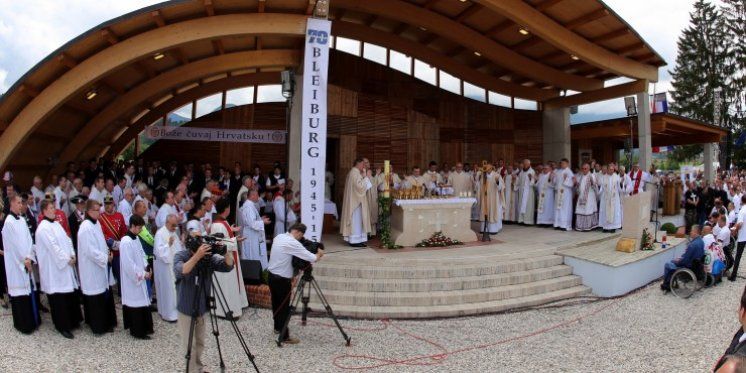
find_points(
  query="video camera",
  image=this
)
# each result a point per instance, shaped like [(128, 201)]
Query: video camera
[(313, 247), (215, 241)]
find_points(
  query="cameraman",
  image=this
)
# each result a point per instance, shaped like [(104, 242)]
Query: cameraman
[(284, 247), (186, 275)]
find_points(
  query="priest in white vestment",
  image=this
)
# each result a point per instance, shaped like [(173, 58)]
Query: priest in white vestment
[(18, 261), (230, 282), (54, 250), (355, 224), (283, 222), (167, 208), (461, 182), (586, 210), (563, 186), (167, 243), (545, 194), (490, 195), (247, 182), (94, 258), (610, 208), (526, 197), (254, 247), (415, 179), (638, 180), (433, 178), (372, 195), (509, 206)]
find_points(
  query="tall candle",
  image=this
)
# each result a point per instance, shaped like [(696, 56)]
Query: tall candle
[(387, 178)]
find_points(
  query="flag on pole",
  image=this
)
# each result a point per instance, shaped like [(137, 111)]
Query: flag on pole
[(659, 103)]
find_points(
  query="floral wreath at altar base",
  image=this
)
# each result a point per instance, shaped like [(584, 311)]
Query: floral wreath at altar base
[(439, 240), (384, 223), (646, 241)]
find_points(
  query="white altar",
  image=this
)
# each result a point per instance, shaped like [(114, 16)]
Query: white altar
[(418, 219)]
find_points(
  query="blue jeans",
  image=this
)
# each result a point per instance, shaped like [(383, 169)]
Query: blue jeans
[(668, 271)]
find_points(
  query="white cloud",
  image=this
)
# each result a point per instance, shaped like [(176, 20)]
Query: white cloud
[(3, 85)]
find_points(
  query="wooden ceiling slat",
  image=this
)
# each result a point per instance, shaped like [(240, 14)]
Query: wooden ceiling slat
[(546, 4), (158, 18), (468, 12), (588, 18), (217, 46), (611, 35), (209, 8), (261, 6), (109, 36)]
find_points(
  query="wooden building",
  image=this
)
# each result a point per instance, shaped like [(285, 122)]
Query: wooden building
[(95, 94)]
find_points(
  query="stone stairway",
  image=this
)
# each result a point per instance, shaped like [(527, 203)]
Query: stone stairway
[(422, 288)]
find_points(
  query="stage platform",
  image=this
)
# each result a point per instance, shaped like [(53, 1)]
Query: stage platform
[(522, 266)]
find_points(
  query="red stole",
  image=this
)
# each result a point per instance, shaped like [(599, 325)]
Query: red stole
[(236, 262), (228, 228), (637, 182)]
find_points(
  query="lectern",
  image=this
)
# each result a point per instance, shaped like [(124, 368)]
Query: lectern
[(635, 218)]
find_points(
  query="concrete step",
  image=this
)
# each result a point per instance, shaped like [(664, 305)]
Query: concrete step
[(435, 271), (451, 297), (451, 258), (441, 284), (453, 310)]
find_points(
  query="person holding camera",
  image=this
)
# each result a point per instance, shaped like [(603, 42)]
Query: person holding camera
[(186, 272), (284, 247)]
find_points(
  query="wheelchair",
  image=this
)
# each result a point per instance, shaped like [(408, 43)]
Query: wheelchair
[(686, 281)]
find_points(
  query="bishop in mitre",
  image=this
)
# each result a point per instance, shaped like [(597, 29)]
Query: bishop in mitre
[(490, 198), (526, 198), (355, 225), (461, 181), (545, 193), (610, 208), (372, 196)]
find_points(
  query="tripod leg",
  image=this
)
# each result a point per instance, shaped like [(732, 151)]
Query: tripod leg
[(220, 296), (214, 324), (304, 310), (291, 307), (329, 311), (193, 322)]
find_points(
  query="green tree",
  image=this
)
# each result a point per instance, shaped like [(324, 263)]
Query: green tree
[(702, 73)]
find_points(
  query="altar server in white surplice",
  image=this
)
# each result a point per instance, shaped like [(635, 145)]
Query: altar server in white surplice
[(545, 192), (490, 196), (18, 260), (167, 243), (254, 246), (526, 198), (134, 275), (610, 208), (461, 181), (563, 186), (54, 250), (230, 282), (355, 224), (586, 210), (93, 264)]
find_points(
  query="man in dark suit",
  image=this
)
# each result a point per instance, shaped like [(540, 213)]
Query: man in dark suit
[(738, 344), (76, 217)]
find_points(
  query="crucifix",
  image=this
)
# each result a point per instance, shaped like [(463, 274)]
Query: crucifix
[(438, 223)]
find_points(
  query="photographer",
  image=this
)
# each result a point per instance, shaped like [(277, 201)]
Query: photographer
[(186, 272), (284, 247)]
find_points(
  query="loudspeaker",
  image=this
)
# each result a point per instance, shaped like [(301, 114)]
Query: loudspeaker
[(252, 272)]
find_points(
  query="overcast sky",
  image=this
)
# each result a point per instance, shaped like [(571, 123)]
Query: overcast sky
[(31, 29)]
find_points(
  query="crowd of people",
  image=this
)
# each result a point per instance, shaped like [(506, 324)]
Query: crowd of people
[(103, 233), (550, 194)]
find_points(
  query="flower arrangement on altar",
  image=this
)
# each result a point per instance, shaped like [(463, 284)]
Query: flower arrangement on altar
[(439, 240), (646, 241)]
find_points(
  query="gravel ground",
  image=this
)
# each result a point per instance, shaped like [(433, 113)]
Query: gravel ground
[(643, 332)]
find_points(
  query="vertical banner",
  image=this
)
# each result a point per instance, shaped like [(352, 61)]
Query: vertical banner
[(313, 133)]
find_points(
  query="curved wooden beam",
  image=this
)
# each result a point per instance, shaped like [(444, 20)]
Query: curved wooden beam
[(87, 72), (458, 33), (119, 143), (449, 65), (561, 37), (166, 81)]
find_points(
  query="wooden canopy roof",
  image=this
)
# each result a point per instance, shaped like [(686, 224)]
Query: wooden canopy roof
[(164, 56), (666, 129)]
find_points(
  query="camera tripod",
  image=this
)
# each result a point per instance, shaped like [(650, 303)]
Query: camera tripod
[(306, 282), (205, 275)]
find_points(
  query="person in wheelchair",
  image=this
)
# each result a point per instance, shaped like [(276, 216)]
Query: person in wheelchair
[(694, 252), (714, 258), (723, 236)]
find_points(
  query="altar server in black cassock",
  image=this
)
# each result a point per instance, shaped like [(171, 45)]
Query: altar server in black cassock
[(54, 251), (93, 263), (18, 257), (134, 274)]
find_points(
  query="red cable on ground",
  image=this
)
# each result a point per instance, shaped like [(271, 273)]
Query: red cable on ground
[(435, 359)]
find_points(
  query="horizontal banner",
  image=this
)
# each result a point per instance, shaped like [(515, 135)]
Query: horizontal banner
[(215, 134)]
